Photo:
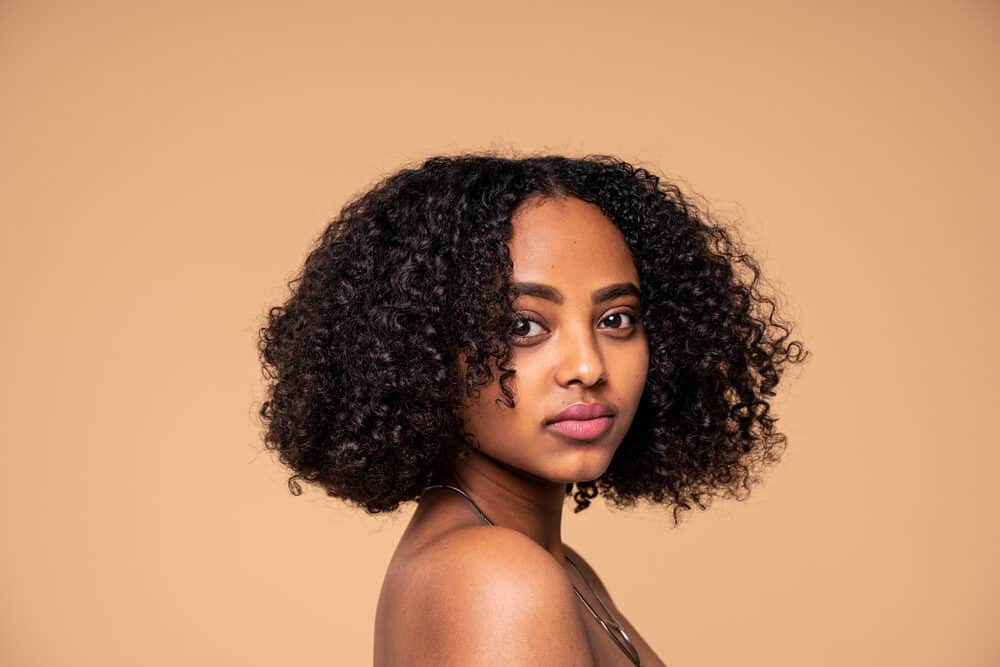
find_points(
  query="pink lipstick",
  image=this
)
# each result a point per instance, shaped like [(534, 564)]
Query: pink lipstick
[(582, 421)]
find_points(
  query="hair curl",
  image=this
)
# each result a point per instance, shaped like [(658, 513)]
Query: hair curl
[(361, 359)]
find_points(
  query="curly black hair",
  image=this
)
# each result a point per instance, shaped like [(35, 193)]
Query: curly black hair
[(361, 359)]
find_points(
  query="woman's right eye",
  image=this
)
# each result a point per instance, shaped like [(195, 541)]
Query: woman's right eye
[(523, 328)]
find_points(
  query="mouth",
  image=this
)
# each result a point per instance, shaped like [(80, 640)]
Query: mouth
[(582, 429), (582, 421)]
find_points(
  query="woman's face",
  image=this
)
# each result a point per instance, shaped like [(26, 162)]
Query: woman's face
[(579, 343)]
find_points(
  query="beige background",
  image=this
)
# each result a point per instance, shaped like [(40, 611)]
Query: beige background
[(165, 168)]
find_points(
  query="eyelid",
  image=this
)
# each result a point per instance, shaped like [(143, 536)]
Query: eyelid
[(529, 315)]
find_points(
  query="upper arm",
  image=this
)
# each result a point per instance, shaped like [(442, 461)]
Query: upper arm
[(494, 597)]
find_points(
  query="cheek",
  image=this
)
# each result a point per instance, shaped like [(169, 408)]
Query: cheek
[(632, 362), (489, 418), (633, 371), (486, 415), (643, 366)]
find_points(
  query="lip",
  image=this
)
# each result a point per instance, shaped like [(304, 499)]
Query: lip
[(582, 421), (582, 429), (582, 412)]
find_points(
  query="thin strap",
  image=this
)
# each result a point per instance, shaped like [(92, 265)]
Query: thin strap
[(455, 488), (610, 625), (615, 629)]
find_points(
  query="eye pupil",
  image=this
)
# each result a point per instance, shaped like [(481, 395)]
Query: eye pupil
[(615, 315)]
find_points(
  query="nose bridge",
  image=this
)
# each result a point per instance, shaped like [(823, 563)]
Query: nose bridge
[(580, 356)]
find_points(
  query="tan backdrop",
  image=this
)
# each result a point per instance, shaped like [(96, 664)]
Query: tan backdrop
[(164, 170)]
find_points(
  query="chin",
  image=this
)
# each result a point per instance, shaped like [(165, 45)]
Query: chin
[(587, 467)]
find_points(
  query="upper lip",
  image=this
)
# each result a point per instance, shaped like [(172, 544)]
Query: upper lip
[(583, 411)]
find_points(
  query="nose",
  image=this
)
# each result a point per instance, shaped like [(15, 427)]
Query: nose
[(580, 358)]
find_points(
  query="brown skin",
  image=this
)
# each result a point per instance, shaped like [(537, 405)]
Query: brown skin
[(460, 592)]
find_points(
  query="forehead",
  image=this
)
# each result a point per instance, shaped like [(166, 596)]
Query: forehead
[(568, 243)]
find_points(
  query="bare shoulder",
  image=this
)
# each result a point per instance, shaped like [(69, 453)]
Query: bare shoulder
[(486, 595)]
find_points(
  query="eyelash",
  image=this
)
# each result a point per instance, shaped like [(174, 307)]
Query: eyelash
[(631, 315)]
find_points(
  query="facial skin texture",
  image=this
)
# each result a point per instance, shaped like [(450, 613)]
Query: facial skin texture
[(576, 351)]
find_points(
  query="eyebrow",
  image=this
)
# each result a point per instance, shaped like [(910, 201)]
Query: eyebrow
[(550, 293)]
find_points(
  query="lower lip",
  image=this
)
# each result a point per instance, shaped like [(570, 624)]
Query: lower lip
[(582, 429)]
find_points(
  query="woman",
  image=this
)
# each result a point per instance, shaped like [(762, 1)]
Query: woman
[(484, 335)]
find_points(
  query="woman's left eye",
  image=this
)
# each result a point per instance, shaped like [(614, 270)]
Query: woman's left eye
[(619, 320)]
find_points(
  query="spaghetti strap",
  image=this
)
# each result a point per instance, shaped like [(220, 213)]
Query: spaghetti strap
[(465, 495), (610, 624)]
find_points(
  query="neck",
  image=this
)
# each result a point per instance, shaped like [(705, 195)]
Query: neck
[(514, 499)]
